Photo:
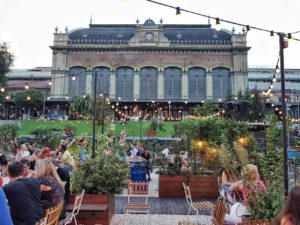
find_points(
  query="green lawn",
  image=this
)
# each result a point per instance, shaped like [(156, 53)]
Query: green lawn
[(85, 128)]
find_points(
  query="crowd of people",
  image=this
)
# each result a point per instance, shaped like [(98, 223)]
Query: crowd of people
[(33, 182)]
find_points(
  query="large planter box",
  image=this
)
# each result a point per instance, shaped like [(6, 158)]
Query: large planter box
[(171, 186), (204, 186), (95, 209), (200, 186)]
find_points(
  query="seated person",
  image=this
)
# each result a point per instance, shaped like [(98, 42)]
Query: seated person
[(251, 183), (24, 196), (229, 176), (184, 163), (290, 215)]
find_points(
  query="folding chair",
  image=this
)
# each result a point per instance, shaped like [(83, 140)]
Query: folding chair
[(43, 221), (137, 190), (76, 209), (219, 213), (197, 206), (53, 214)]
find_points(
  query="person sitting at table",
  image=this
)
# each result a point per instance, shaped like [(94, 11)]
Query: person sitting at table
[(290, 214), (4, 211), (147, 156), (51, 185), (23, 195), (250, 184), (132, 151), (184, 163)]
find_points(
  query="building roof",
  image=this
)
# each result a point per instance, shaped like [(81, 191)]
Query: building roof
[(38, 72), (174, 32)]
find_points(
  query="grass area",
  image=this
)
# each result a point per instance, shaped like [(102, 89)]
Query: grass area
[(86, 127)]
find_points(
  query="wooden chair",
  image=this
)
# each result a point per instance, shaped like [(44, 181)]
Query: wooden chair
[(52, 214), (76, 209), (195, 205), (219, 213), (137, 190), (256, 222), (43, 221)]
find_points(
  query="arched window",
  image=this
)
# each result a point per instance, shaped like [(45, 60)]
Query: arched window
[(77, 77), (103, 74), (221, 83), (197, 84), (148, 83), (124, 83), (172, 83)]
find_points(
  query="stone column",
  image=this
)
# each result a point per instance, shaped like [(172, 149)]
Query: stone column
[(112, 84), (160, 84), (185, 85), (136, 84), (89, 83), (59, 75), (209, 86)]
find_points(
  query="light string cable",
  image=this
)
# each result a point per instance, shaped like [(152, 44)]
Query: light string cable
[(218, 20)]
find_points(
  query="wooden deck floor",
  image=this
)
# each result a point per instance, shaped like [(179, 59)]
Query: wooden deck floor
[(171, 206)]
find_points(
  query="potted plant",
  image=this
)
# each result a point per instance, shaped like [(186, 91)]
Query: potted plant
[(154, 126), (101, 178)]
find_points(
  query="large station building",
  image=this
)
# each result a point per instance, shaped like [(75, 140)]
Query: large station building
[(149, 70), (171, 66)]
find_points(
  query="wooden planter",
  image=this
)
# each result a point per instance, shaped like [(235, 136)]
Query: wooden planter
[(200, 186), (171, 186), (204, 186), (95, 209)]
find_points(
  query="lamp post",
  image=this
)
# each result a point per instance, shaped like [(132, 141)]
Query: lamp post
[(284, 127), (94, 116)]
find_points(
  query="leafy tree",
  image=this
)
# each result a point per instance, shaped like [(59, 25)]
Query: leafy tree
[(102, 109), (30, 97), (240, 95), (82, 105), (207, 109), (6, 61), (256, 110), (268, 205)]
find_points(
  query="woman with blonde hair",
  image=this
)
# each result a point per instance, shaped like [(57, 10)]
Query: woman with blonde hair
[(51, 185), (250, 184)]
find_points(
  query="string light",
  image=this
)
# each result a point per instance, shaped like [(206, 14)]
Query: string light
[(26, 86), (178, 13), (248, 28), (2, 89), (49, 82), (272, 33), (73, 77), (218, 25)]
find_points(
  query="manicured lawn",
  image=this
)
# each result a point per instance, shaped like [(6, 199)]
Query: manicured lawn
[(86, 127)]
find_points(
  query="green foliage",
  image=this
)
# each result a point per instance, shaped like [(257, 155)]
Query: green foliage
[(36, 98), (268, 205), (48, 135), (207, 109), (6, 61), (103, 175), (256, 107), (102, 109), (83, 105), (9, 131), (156, 125)]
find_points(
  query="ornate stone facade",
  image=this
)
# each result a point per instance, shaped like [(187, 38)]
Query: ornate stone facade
[(140, 63)]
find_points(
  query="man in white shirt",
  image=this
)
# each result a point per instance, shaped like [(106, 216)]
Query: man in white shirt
[(167, 151)]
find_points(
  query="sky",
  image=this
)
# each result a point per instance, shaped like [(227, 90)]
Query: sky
[(28, 25)]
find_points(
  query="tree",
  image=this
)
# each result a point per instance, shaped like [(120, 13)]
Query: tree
[(82, 105), (102, 109), (6, 61), (207, 109), (256, 111), (30, 97)]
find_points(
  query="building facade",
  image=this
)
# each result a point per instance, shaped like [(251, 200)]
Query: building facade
[(141, 64)]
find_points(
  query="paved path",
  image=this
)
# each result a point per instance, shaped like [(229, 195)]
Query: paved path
[(164, 211)]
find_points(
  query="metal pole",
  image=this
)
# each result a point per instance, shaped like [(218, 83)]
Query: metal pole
[(44, 107), (94, 117), (284, 126), (103, 105), (298, 114)]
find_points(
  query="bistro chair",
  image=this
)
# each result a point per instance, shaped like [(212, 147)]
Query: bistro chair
[(76, 209), (197, 206), (219, 213), (52, 214), (139, 191)]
